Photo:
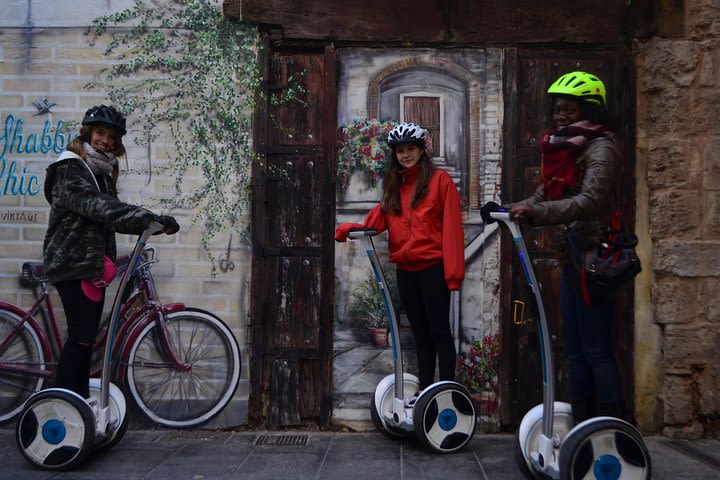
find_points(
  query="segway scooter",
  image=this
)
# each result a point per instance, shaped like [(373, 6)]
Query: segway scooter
[(443, 416), (57, 428), (547, 445)]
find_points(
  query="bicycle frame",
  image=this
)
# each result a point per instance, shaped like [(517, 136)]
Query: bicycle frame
[(27, 317), (130, 326)]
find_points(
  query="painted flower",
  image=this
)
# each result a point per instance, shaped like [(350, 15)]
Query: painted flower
[(362, 145), (478, 368)]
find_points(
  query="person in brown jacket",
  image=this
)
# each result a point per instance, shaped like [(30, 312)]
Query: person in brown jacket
[(580, 166)]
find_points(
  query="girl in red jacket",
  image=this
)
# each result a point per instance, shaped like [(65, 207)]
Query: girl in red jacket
[(420, 209)]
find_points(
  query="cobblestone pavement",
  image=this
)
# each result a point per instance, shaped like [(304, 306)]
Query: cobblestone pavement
[(219, 455)]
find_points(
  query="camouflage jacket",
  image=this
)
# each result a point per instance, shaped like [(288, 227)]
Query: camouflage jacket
[(83, 220)]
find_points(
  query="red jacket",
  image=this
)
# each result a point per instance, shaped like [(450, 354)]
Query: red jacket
[(424, 235)]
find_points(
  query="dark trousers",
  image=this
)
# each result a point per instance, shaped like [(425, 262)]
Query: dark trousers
[(594, 376), (426, 300), (83, 317)]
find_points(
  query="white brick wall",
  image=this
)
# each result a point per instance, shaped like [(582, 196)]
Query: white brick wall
[(45, 53)]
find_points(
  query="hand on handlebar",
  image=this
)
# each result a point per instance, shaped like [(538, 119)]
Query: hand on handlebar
[(170, 224), (487, 209), (520, 212), (342, 232)]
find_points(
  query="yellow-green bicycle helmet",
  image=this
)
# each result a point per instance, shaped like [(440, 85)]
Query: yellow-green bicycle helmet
[(584, 85)]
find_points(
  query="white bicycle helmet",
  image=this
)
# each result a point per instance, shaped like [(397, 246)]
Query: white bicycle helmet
[(407, 132)]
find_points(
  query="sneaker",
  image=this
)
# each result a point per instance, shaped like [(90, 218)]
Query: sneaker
[(410, 401)]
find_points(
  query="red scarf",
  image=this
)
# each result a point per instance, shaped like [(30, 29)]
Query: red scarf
[(559, 148)]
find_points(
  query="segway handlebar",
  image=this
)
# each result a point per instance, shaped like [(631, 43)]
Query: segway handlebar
[(365, 235), (152, 229), (542, 323), (356, 233)]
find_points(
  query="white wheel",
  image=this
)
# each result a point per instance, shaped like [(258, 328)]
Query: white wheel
[(604, 448), (444, 417), (528, 435), (381, 405), (56, 429), (118, 414)]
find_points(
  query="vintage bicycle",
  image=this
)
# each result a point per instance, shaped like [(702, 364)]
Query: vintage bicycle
[(180, 365)]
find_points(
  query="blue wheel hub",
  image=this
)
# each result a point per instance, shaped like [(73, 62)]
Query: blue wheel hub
[(607, 467), (447, 419), (53, 431)]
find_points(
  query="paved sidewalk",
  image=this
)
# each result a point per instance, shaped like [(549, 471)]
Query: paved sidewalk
[(214, 455)]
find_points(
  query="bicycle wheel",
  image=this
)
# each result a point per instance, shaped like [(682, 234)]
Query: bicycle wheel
[(23, 350), (184, 398)]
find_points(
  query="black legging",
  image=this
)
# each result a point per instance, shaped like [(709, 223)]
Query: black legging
[(83, 317), (426, 300)]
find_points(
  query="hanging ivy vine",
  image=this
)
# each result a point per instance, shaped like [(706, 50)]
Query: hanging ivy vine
[(187, 73)]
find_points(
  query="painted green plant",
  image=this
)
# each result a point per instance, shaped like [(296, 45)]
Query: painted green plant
[(367, 306), (188, 76)]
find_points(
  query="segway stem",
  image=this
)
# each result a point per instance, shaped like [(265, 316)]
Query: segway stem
[(542, 324), (365, 236), (115, 312)]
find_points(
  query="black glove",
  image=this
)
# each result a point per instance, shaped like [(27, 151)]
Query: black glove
[(487, 209), (170, 224)]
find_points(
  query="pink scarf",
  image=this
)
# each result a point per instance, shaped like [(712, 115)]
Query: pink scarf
[(558, 164)]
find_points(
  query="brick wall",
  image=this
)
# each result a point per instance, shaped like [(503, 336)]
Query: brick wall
[(45, 54)]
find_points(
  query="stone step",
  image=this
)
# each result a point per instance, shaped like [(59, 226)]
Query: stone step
[(454, 173)]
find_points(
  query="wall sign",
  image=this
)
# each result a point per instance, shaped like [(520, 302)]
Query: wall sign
[(17, 180)]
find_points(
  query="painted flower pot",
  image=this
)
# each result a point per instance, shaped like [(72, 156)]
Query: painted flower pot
[(485, 403), (379, 337)]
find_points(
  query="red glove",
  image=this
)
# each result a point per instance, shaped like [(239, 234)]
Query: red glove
[(341, 233)]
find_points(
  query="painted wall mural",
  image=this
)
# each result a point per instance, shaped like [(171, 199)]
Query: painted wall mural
[(49, 65), (21, 146), (456, 96), (15, 140)]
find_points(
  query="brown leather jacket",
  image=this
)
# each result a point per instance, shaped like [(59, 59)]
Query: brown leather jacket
[(589, 207)]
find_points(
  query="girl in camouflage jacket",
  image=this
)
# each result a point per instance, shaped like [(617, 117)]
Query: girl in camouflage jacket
[(85, 213)]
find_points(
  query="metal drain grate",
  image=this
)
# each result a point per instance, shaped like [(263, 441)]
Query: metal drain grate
[(281, 440)]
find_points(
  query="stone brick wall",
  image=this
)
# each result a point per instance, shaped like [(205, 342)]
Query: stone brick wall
[(678, 88), (45, 54)]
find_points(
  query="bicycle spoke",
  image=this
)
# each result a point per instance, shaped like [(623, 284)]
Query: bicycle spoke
[(188, 396), (21, 362)]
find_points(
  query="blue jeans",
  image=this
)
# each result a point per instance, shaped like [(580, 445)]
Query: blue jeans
[(594, 375)]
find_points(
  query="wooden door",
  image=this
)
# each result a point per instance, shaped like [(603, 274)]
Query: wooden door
[(425, 111), (293, 217), (528, 75)]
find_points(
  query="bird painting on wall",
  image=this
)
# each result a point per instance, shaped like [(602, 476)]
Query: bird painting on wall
[(43, 105)]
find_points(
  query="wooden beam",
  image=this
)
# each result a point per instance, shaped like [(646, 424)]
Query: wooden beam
[(440, 22)]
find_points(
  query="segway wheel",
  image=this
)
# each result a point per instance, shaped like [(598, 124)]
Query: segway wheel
[(527, 438), (381, 405), (118, 413), (606, 448), (56, 429), (444, 417)]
